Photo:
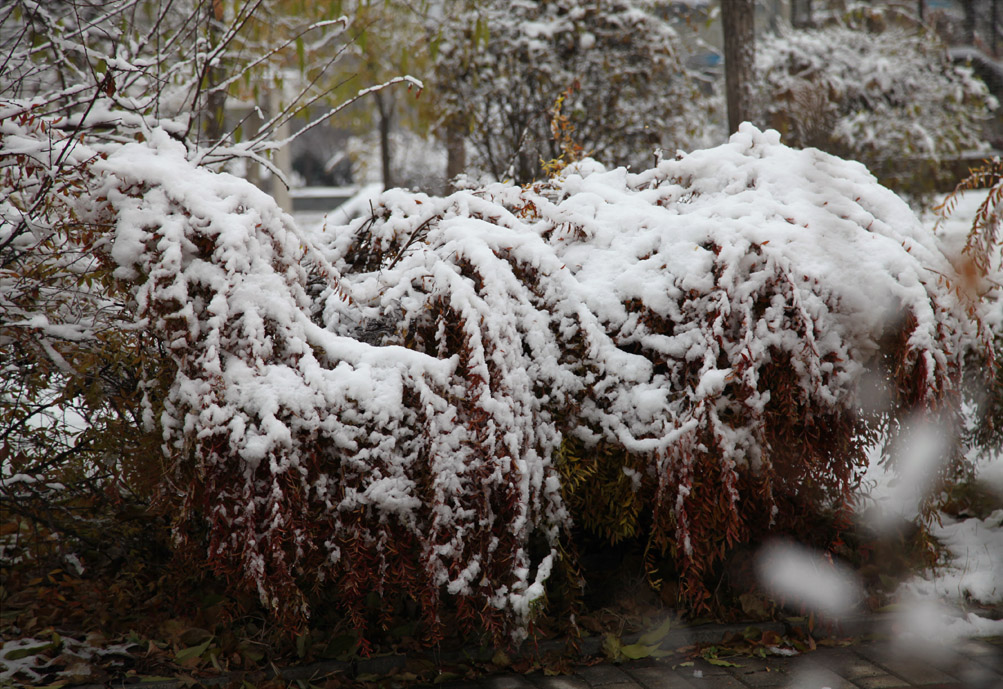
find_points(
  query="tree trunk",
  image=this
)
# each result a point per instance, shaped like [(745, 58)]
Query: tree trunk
[(282, 157), (993, 21), (968, 24), (738, 22), (456, 152), (385, 111)]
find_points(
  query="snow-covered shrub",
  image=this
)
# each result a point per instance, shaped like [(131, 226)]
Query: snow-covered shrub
[(500, 67), (82, 381), (75, 373), (700, 340), (873, 88), (316, 460)]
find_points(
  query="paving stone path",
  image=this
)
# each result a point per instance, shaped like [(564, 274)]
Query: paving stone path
[(973, 664), (970, 664)]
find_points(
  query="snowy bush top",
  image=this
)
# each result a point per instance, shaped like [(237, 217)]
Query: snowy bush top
[(385, 406), (666, 278)]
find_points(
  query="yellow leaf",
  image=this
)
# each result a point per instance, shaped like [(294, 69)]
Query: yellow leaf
[(637, 651)]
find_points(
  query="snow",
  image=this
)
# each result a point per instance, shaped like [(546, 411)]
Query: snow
[(917, 457), (941, 606), (949, 602), (23, 667), (978, 544), (72, 654)]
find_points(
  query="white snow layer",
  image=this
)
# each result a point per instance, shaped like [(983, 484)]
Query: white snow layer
[(943, 604)]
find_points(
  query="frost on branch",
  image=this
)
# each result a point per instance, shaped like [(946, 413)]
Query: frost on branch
[(419, 404)]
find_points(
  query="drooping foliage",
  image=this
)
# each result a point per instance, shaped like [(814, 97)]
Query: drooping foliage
[(978, 285), (312, 458), (420, 404), (83, 381), (697, 335), (875, 87), (500, 67)]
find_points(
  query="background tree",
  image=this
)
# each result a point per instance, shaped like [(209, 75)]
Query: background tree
[(875, 87), (386, 40), (500, 68)]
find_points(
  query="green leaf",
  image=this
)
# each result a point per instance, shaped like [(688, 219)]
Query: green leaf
[(254, 657), (301, 642), (655, 636), (300, 54), (341, 646), (194, 636), (480, 32), (501, 659), (211, 599), (891, 607), (192, 651)]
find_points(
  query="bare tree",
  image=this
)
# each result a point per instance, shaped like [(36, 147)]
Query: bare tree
[(618, 64)]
